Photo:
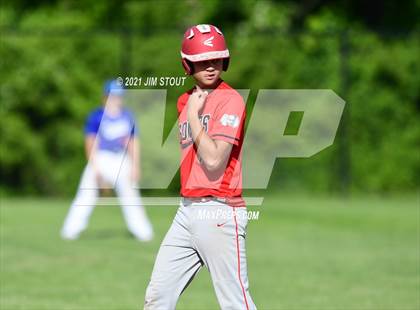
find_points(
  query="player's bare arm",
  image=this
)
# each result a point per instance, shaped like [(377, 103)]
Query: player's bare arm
[(89, 146), (214, 153), (90, 151), (133, 150)]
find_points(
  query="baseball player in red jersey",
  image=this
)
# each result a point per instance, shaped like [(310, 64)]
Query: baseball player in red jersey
[(210, 225)]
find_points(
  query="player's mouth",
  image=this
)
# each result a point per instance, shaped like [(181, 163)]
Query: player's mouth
[(210, 76)]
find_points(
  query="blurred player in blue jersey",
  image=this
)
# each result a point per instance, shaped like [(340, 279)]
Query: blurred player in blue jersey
[(113, 152)]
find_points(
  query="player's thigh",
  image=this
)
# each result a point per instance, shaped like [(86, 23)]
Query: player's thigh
[(110, 166), (88, 179), (221, 241)]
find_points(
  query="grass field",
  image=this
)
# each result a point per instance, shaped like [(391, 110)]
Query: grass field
[(303, 253)]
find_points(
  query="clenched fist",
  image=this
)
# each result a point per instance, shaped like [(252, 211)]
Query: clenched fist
[(196, 101)]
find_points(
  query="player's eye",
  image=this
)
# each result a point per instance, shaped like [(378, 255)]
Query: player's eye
[(215, 62)]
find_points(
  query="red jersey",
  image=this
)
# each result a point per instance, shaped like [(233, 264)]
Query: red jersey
[(222, 117)]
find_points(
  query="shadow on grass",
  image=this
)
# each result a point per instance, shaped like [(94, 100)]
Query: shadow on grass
[(107, 234)]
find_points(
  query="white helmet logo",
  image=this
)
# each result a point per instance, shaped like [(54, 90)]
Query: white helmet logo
[(203, 28), (209, 42)]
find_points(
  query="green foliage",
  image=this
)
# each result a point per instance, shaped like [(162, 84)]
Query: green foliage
[(47, 89), (55, 57), (384, 105)]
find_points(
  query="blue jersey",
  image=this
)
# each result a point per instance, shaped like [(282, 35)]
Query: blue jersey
[(113, 132)]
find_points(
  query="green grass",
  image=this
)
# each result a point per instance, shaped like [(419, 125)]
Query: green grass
[(303, 253)]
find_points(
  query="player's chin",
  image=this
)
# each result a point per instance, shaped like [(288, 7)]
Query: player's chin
[(209, 82)]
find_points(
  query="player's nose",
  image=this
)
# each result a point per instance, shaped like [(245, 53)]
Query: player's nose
[(210, 65)]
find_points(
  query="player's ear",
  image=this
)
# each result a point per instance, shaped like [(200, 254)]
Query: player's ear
[(225, 63)]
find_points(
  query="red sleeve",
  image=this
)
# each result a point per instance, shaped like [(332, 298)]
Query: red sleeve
[(180, 103), (229, 120)]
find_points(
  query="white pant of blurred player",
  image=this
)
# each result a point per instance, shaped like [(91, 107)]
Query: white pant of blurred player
[(114, 169)]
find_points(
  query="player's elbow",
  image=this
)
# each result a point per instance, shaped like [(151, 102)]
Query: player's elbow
[(211, 166), (216, 160), (214, 164)]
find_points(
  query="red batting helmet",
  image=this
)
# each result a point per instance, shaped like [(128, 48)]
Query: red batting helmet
[(203, 42)]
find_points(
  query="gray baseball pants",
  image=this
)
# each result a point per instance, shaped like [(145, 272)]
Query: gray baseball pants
[(202, 233)]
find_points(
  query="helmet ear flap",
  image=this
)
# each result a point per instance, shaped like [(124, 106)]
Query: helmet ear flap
[(225, 64), (188, 66)]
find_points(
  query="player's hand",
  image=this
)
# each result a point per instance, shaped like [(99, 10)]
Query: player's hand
[(196, 101)]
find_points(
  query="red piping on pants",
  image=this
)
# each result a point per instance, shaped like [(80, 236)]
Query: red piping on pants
[(239, 261)]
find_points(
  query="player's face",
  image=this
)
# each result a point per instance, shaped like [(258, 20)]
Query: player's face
[(208, 72), (114, 100)]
